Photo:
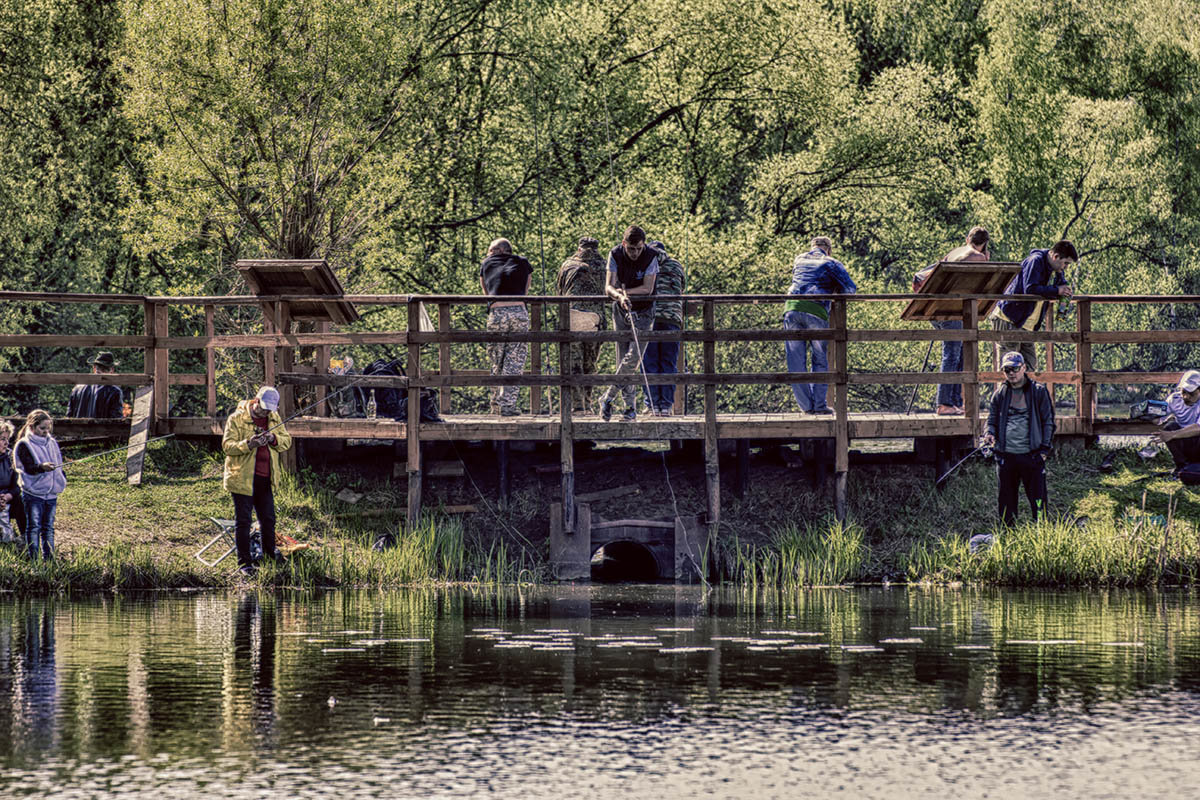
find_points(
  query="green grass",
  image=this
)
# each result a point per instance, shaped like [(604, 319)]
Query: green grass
[(1124, 527)]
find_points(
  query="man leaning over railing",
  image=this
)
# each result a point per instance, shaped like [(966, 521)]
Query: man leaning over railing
[(1041, 274), (814, 272)]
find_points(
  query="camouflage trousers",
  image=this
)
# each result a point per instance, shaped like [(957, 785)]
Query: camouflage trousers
[(629, 358), (508, 358), (584, 356)]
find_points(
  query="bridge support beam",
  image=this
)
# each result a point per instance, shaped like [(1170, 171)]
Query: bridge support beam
[(571, 553)]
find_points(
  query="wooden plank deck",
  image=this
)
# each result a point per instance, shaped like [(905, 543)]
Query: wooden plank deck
[(483, 427)]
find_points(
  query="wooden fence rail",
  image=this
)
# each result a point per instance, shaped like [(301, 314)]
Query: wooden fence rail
[(280, 341)]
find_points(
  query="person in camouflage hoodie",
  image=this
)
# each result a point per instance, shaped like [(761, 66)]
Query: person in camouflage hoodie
[(663, 357), (584, 274)]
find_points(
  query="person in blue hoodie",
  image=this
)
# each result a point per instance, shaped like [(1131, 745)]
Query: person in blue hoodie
[(1041, 274), (814, 272), (39, 465)]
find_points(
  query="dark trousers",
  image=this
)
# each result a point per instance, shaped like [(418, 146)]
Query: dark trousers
[(261, 503), (1183, 451), (662, 358), (1014, 471)]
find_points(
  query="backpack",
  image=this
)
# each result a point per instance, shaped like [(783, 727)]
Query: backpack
[(393, 403), (1148, 410)]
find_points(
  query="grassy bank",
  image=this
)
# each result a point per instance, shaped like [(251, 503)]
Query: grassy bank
[(1122, 527)]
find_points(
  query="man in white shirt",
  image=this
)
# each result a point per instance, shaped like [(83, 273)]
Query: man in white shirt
[(1181, 428)]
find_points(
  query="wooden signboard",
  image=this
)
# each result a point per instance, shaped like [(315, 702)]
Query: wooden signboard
[(300, 277), (958, 278), (139, 431)]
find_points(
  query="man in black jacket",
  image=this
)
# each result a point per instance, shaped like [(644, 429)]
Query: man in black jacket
[(1020, 427), (97, 401)]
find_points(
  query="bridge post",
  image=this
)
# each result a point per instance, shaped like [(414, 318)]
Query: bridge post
[(566, 436), (210, 362), (712, 464), (444, 356), (162, 377), (1085, 398), (837, 319), (413, 429), (970, 365), (535, 357), (287, 394)]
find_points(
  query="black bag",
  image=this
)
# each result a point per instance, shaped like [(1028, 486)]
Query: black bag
[(394, 402), (1189, 475)]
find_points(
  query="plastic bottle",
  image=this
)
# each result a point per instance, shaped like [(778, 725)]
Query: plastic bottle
[(371, 405)]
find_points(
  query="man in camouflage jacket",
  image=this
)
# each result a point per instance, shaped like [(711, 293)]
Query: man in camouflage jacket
[(663, 357), (584, 274)]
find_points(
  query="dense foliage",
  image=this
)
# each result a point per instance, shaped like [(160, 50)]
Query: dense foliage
[(148, 144)]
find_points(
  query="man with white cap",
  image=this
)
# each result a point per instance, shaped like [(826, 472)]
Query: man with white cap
[(1181, 427), (1020, 426), (254, 438)]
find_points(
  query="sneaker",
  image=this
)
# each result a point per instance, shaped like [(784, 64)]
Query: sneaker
[(663, 412), (825, 410), (247, 572), (630, 415), (510, 412), (606, 410)]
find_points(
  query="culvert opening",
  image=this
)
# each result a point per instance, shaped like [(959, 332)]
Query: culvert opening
[(624, 562)]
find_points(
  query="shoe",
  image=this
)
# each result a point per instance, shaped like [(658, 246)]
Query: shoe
[(510, 412), (826, 410), (948, 411), (663, 412), (629, 416), (606, 410), (247, 571)]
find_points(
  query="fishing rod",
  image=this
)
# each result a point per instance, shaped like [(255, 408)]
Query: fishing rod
[(326, 399), (74, 461), (983, 448)]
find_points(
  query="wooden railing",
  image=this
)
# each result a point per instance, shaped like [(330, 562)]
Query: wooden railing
[(549, 327)]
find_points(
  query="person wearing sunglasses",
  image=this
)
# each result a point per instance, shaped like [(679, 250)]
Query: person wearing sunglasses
[(1181, 427), (1020, 427)]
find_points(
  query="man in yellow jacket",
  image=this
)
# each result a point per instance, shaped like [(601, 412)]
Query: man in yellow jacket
[(254, 438)]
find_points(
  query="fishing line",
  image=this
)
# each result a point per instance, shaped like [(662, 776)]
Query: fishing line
[(124, 448), (495, 514), (326, 399)]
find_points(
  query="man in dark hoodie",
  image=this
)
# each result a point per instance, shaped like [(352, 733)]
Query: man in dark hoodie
[(1041, 274), (507, 276), (1020, 426)]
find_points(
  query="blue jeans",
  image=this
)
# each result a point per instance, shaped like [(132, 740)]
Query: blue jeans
[(950, 394), (39, 524), (810, 396), (662, 358)]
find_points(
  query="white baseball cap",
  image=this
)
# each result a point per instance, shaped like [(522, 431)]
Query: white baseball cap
[(1190, 381), (268, 398)]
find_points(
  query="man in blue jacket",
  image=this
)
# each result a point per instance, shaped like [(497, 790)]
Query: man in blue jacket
[(1041, 274), (1020, 426), (814, 272)]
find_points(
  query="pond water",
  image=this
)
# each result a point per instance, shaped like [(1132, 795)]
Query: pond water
[(637, 691)]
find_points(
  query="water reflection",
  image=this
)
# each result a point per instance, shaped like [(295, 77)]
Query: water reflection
[(457, 692)]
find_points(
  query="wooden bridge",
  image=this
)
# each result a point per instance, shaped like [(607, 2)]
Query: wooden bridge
[(301, 322)]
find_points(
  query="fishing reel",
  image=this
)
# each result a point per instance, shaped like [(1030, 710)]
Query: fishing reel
[(986, 450)]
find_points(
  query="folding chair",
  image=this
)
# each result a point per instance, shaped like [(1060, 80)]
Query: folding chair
[(225, 534)]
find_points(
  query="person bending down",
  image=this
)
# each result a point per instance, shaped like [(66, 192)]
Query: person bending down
[(1181, 427)]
